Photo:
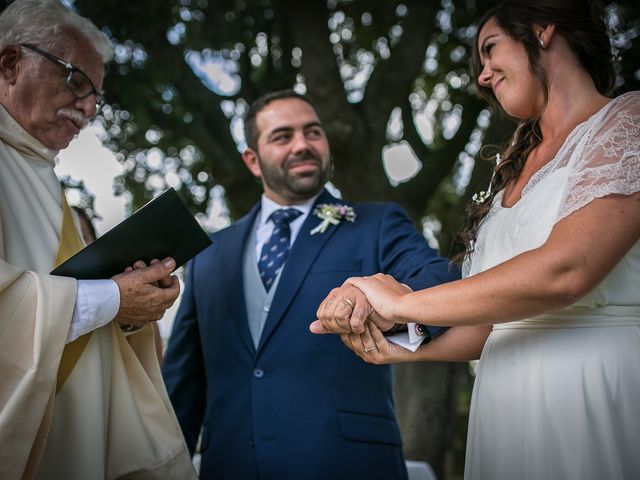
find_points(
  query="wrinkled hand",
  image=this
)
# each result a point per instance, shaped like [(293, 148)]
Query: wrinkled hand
[(146, 292), (345, 310), (373, 347)]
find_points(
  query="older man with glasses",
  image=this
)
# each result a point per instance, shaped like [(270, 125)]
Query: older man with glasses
[(77, 81), (81, 396)]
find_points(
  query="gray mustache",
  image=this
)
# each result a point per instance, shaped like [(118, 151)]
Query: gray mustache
[(77, 117)]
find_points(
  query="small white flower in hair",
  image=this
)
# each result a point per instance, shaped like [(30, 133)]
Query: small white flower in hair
[(480, 197)]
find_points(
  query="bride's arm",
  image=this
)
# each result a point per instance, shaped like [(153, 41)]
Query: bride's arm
[(580, 251), (457, 344)]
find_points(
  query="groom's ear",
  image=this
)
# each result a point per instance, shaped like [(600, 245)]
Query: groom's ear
[(250, 159)]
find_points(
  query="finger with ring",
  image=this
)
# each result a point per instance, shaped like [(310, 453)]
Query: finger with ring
[(367, 350), (348, 302)]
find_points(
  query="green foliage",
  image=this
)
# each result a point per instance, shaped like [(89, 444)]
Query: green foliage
[(166, 123), (172, 125)]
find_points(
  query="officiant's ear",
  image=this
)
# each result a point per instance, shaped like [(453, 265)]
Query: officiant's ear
[(10, 56), (250, 159)]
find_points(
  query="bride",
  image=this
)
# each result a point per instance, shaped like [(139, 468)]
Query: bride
[(551, 298)]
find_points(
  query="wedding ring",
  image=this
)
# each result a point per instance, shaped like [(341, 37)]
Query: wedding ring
[(367, 350), (348, 302)]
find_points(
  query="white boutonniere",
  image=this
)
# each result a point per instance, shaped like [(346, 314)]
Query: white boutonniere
[(332, 214)]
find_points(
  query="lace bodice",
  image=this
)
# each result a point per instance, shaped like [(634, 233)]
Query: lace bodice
[(600, 157)]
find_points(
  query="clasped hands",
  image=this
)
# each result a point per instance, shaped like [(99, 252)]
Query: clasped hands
[(348, 312), (146, 291)]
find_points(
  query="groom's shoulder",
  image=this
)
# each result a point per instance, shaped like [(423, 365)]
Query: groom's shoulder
[(377, 210)]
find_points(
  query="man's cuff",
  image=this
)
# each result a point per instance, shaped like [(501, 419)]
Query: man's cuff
[(411, 338), (97, 303)]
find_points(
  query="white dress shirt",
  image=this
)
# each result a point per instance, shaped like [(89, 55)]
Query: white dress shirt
[(97, 303)]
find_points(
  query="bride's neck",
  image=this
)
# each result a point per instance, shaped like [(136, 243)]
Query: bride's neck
[(572, 100)]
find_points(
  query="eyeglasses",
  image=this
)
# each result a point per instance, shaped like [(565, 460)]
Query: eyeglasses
[(77, 81)]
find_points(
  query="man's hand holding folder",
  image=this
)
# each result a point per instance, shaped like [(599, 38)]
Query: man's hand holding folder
[(146, 292), (130, 254)]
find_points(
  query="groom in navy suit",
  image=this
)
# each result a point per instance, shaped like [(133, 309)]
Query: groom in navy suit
[(272, 400)]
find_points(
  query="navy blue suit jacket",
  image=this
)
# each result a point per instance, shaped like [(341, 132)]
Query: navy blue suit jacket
[(300, 406)]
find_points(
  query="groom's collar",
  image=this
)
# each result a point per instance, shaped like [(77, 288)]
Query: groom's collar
[(268, 206)]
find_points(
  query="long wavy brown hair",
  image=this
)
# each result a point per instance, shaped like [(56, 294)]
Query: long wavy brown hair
[(582, 25)]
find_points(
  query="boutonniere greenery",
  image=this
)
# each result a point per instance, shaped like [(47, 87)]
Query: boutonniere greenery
[(332, 214)]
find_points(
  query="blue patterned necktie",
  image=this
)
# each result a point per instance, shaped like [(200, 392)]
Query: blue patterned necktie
[(276, 250)]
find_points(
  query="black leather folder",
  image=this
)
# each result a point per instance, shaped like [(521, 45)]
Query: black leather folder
[(162, 228)]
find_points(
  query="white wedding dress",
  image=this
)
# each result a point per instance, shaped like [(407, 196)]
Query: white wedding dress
[(558, 396)]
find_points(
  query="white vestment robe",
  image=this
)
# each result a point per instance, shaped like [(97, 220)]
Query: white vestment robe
[(112, 418)]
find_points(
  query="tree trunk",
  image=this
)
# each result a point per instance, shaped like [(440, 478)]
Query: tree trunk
[(426, 408)]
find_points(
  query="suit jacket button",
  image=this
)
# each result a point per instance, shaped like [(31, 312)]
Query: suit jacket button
[(251, 444), (258, 373)]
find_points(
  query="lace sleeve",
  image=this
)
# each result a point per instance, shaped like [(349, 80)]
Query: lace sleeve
[(607, 161)]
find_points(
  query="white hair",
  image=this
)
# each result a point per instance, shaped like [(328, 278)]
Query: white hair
[(42, 23)]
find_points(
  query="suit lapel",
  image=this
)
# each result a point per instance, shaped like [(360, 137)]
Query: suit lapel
[(232, 275), (301, 257)]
